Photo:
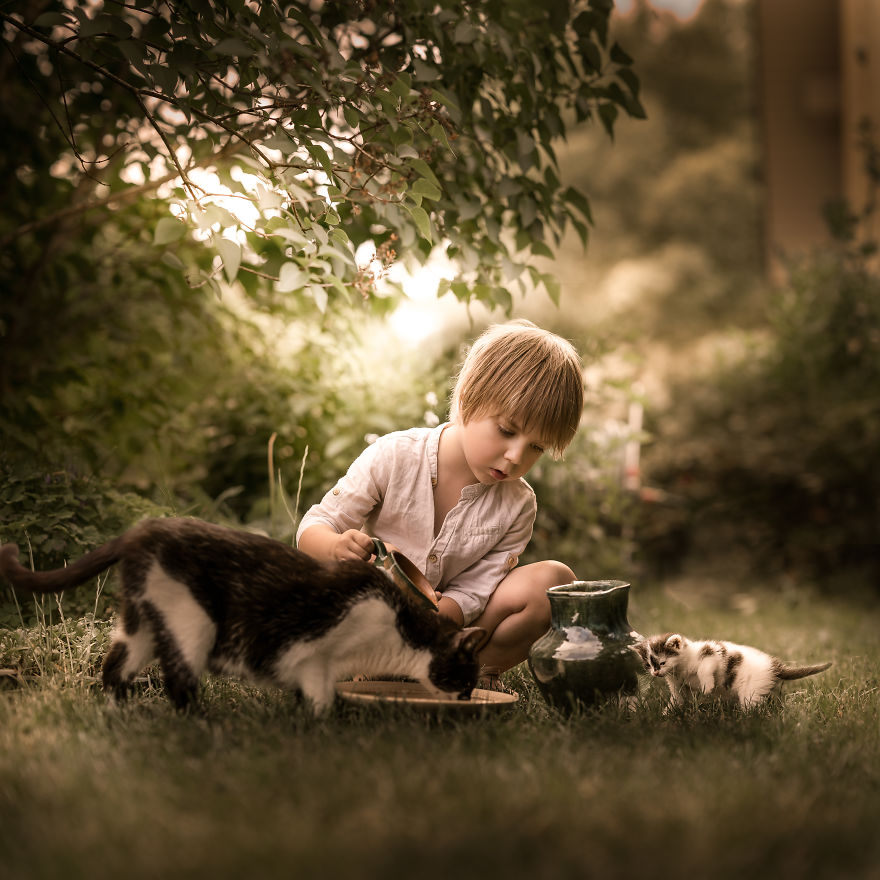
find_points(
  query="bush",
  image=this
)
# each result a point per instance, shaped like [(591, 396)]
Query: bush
[(776, 451), (54, 517)]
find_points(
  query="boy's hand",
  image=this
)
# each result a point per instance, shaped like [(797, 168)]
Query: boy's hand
[(353, 544)]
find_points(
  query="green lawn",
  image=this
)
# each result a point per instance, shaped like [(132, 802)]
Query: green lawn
[(254, 787)]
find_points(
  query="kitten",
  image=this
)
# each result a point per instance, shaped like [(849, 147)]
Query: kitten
[(706, 667), (198, 596)]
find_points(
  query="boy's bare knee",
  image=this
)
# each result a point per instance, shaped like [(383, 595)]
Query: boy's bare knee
[(558, 573)]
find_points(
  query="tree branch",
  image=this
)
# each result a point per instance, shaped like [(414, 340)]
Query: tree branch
[(116, 198)]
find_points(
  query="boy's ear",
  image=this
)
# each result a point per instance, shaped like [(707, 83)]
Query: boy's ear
[(472, 638)]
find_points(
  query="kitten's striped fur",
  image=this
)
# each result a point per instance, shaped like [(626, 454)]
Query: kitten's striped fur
[(717, 667)]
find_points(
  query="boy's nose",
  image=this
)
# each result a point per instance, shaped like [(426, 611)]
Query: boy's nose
[(514, 453)]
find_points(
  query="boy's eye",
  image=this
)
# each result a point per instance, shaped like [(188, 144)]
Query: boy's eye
[(512, 432)]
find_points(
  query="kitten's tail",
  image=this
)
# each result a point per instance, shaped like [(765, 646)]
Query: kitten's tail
[(789, 673), (73, 575)]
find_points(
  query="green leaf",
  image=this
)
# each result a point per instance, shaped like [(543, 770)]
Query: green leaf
[(403, 135), (580, 201), (230, 253), (402, 85), (352, 117), (631, 80), (618, 56), (422, 221), (608, 115), (525, 148), (320, 296), (168, 229), (50, 19), (233, 46), (528, 211), (423, 187), (425, 72), (553, 288), (461, 290), (319, 154), (468, 208), (425, 170), (592, 56), (501, 297), (540, 249), (164, 78), (465, 33), (438, 133), (291, 278)]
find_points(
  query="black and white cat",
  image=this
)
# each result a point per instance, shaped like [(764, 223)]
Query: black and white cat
[(198, 596), (709, 667)]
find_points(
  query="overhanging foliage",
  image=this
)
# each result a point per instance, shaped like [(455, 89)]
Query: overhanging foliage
[(409, 124)]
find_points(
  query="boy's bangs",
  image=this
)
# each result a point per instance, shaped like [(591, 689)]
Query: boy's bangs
[(547, 408), (545, 402)]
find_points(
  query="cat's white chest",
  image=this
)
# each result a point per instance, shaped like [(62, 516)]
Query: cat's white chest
[(366, 641)]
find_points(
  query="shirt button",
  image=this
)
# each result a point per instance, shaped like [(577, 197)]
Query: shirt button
[(336, 491), (432, 558)]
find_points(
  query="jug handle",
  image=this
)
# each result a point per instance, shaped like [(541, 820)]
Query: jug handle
[(380, 551)]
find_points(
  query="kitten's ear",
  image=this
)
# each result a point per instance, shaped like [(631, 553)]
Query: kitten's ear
[(673, 643), (641, 648), (471, 639)]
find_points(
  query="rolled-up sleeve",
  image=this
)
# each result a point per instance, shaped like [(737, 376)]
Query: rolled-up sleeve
[(354, 497)]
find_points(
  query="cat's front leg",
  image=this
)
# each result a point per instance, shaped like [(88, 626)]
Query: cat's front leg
[(674, 694), (319, 688), (706, 678)]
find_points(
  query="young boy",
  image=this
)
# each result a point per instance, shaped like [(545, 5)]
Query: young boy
[(453, 498)]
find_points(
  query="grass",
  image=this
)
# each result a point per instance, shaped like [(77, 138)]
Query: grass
[(255, 787)]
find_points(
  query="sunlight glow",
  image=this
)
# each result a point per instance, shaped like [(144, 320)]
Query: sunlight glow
[(684, 9), (416, 317)]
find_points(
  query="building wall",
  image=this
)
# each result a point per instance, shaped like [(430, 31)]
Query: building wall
[(819, 80), (799, 52), (860, 74)]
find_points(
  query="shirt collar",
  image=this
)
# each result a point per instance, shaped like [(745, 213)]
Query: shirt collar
[(474, 490)]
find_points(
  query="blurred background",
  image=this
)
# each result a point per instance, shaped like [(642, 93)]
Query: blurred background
[(726, 308)]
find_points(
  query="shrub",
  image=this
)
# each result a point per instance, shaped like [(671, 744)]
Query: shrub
[(776, 451), (54, 517)]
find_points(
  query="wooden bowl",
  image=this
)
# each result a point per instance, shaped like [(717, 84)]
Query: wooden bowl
[(411, 694)]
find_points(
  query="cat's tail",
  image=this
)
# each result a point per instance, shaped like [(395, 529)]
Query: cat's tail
[(73, 575), (789, 673)]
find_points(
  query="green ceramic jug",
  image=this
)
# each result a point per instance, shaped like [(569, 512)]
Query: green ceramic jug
[(586, 655)]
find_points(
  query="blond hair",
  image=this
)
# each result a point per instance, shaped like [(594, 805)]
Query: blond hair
[(527, 374)]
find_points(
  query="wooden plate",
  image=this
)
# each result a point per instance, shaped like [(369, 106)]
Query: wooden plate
[(412, 694)]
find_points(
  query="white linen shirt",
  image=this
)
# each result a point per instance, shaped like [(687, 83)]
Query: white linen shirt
[(389, 493)]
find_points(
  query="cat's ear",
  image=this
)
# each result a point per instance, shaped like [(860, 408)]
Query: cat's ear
[(673, 642), (641, 648), (471, 639)]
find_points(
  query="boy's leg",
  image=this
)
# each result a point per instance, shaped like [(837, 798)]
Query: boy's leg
[(518, 612)]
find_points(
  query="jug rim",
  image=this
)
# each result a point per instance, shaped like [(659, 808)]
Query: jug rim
[(587, 588)]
